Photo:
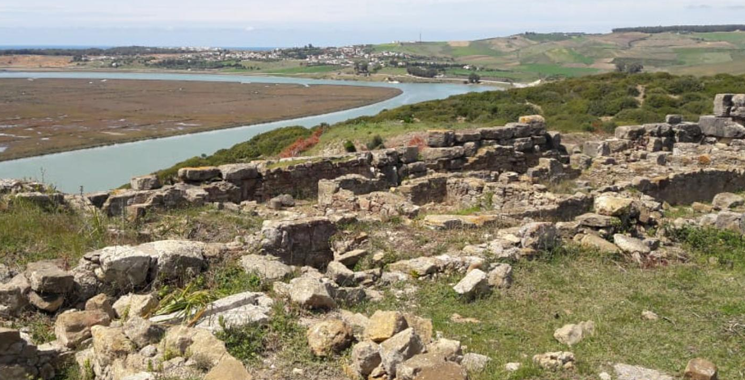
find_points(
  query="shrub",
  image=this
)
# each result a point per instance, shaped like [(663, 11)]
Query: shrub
[(375, 143), (349, 146)]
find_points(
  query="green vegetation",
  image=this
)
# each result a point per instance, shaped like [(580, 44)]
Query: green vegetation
[(596, 103), (727, 248), (187, 302), (699, 315), (263, 145), (682, 29), (282, 336), (30, 233), (577, 104), (530, 56), (305, 69)]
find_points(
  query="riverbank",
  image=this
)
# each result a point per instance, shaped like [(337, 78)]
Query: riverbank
[(116, 164), (335, 76), (43, 116)]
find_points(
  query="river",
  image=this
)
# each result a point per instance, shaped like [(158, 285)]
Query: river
[(107, 167)]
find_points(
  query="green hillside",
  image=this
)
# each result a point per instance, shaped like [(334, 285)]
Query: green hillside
[(533, 56)]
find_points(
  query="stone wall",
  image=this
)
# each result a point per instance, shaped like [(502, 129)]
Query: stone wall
[(693, 186), (515, 147)]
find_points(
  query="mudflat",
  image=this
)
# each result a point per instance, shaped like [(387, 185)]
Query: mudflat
[(53, 115)]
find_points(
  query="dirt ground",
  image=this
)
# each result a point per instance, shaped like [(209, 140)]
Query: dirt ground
[(53, 115)]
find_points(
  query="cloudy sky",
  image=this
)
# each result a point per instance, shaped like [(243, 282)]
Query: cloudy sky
[(331, 22)]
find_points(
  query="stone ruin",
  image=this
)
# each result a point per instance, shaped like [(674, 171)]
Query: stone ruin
[(514, 178)]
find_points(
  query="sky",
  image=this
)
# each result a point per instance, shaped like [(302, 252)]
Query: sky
[(281, 23)]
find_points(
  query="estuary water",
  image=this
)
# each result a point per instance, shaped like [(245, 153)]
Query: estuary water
[(107, 167)]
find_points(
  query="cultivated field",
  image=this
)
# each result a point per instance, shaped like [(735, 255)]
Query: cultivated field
[(53, 115), (527, 57)]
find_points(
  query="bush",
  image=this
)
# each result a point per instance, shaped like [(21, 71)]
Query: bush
[(638, 116), (349, 147), (266, 144), (375, 143)]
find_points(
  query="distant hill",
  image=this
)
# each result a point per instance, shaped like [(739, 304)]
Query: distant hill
[(531, 56)]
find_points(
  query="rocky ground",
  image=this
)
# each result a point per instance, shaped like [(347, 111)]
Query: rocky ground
[(489, 254)]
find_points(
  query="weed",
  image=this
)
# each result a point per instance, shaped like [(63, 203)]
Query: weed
[(728, 247), (187, 302)]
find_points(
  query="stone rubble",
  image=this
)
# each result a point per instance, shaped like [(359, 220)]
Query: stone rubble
[(518, 182)]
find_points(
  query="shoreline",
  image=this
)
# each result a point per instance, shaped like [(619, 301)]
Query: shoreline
[(51, 151), (408, 79)]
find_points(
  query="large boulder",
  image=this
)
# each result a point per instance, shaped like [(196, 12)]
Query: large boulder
[(109, 344), (124, 267), (365, 358), (135, 305), (428, 366), (235, 311), (299, 242), (700, 369), (312, 293), (47, 277), (540, 236), (174, 259), (228, 369), (399, 348), (613, 206), (629, 244), (630, 372), (199, 343), (329, 337), (500, 276), (442, 370), (419, 266), (340, 274), (385, 324), (46, 302), (14, 296), (146, 182), (596, 242), (726, 201), (74, 327), (474, 284), (199, 174), (721, 127), (102, 303), (142, 332), (440, 138), (574, 333), (630, 132), (237, 173), (268, 268)]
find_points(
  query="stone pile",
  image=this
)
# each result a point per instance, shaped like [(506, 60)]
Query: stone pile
[(400, 346)]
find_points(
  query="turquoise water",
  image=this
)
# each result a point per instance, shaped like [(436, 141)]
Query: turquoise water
[(108, 167)]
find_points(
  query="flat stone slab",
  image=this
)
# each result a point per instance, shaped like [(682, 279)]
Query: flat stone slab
[(449, 222)]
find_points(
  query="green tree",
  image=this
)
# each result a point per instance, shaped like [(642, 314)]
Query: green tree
[(474, 78)]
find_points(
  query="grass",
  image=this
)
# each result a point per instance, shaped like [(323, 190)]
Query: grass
[(282, 337), (203, 223), (700, 316), (30, 233), (549, 70), (727, 247), (305, 69)]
